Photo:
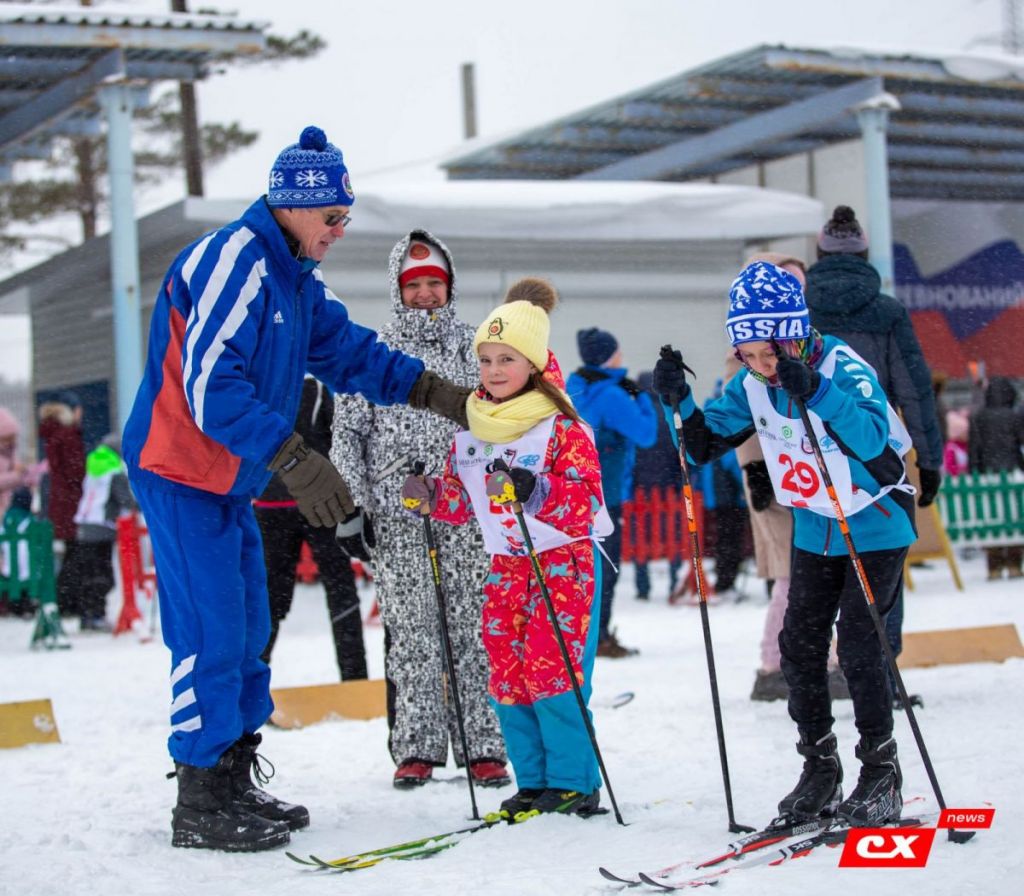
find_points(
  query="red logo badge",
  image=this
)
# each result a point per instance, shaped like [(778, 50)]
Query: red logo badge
[(887, 848), (968, 819), (418, 251)]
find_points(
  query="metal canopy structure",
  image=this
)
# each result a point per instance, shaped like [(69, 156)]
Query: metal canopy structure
[(59, 66), (53, 59), (957, 133)]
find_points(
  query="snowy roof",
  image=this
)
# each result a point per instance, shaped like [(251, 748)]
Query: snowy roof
[(958, 132), (570, 210)]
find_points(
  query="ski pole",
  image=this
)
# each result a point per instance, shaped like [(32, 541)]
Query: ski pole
[(517, 509), (702, 587), (442, 615), (865, 586)]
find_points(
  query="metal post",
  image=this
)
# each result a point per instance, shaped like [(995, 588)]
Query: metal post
[(116, 100), (468, 101), (873, 118)]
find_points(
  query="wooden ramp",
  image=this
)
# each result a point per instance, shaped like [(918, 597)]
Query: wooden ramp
[(984, 644), (301, 706), (28, 722)]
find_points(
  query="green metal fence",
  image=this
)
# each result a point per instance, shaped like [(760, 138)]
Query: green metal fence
[(983, 509)]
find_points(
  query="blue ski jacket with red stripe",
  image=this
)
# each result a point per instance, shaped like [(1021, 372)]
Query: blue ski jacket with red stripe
[(237, 324)]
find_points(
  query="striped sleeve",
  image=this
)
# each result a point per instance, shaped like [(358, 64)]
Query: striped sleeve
[(222, 286)]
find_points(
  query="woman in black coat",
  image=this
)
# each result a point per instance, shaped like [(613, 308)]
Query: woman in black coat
[(995, 444)]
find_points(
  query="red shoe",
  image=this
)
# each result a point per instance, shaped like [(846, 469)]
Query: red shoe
[(489, 773), (413, 773)]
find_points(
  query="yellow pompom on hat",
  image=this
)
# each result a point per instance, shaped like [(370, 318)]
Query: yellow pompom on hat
[(522, 322)]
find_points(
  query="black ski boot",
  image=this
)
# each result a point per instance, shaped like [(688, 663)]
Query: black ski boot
[(876, 799), (521, 801), (820, 788), (568, 802), (252, 798), (208, 817)]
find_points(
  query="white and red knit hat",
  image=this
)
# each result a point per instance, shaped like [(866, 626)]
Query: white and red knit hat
[(423, 259)]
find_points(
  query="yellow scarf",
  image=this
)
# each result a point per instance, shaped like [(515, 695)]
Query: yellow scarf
[(506, 421)]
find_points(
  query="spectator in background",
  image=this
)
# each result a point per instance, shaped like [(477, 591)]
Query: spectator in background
[(623, 419), (995, 442), (60, 428), (105, 496), (14, 474), (845, 300), (657, 468), (955, 457), (284, 529)]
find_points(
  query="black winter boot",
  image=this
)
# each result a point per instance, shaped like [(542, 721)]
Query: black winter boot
[(876, 799), (820, 788), (207, 816), (252, 798)]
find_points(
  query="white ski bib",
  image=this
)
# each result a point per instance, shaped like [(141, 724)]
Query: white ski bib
[(498, 523), (92, 506), (790, 460)]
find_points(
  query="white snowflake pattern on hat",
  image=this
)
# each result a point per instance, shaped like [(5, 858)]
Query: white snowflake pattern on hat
[(310, 178)]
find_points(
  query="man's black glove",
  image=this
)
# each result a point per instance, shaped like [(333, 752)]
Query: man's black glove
[(314, 483), (930, 482), (437, 394), (355, 537), (669, 378), (799, 380), (632, 389), (760, 484)]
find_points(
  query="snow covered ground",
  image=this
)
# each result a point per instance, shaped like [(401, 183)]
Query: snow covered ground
[(91, 815)]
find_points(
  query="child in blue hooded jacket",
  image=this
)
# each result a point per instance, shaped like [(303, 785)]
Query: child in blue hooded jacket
[(863, 444)]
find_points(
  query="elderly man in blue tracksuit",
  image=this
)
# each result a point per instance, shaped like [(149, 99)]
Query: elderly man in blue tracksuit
[(863, 444), (623, 419), (242, 315)]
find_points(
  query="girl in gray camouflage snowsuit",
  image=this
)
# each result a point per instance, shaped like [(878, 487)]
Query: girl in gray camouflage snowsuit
[(374, 448)]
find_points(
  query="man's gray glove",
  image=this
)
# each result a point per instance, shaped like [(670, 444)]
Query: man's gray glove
[(314, 483), (442, 397)]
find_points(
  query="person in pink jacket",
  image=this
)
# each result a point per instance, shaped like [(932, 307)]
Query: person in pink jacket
[(13, 473)]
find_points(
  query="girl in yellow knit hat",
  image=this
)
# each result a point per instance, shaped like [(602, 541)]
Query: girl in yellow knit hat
[(521, 415)]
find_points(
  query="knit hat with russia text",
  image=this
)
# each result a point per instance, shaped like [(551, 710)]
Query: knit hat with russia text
[(766, 302), (310, 174)]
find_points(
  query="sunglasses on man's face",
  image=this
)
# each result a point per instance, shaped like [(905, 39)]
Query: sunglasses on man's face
[(336, 218)]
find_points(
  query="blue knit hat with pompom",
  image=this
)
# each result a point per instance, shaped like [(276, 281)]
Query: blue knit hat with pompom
[(310, 174), (766, 302)]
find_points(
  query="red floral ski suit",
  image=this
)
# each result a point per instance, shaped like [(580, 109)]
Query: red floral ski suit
[(540, 718)]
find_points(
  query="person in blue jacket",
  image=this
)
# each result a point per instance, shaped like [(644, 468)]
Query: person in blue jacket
[(863, 444), (623, 418), (242, 315)]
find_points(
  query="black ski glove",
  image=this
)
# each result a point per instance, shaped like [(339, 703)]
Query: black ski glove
[(760, 484), (434, 393), (669, 378), (930, 482), (799, 380), (355, 537), (314, 483)]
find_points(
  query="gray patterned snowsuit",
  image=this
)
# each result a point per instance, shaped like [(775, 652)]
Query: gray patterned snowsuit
[(374, 447)]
